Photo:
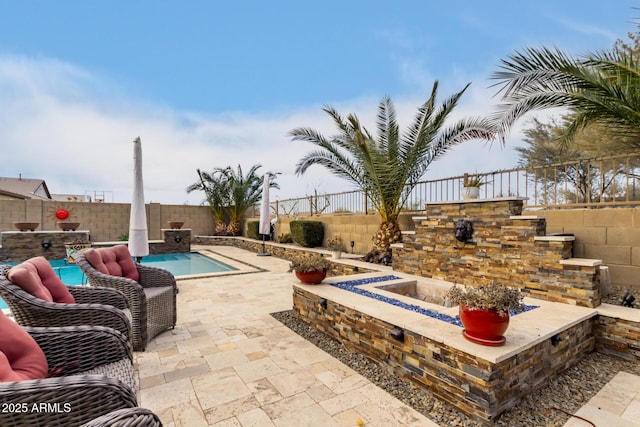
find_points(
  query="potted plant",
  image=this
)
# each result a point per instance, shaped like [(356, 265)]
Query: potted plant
[(471, 186), (310, 269), (484, 311), (336, 246)]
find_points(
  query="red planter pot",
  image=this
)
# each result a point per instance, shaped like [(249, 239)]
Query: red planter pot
[(311, 277), (486, 327)]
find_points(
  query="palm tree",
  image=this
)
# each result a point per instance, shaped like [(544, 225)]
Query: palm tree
[(216, 191), (598, 88), (230, 194), (388, 166)]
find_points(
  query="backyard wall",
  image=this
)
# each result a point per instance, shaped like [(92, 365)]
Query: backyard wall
[(609, 234), (105, 221)]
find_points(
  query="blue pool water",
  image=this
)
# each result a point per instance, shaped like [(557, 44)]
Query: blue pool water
[(179, 264)]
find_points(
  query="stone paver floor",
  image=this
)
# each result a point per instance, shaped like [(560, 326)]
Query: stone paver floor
[(616, 405), (229, 363)]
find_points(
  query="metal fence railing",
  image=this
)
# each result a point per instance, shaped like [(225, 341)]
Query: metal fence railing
[(594, 182)]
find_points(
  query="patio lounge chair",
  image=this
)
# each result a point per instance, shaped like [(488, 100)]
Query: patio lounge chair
[(62, 376), (150, 291), (132, 417), (38, 298)]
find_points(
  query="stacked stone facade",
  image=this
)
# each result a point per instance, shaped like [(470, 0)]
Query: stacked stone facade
[(19, 246), (505, 247), (481, 388)]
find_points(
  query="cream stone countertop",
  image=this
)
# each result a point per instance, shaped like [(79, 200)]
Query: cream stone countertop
[(525, 329)]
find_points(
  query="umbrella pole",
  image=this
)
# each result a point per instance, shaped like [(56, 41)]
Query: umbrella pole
[(263, 253)]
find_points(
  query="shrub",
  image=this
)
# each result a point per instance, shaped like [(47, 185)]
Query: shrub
[(285, 238), (253, 228), (307, 233)]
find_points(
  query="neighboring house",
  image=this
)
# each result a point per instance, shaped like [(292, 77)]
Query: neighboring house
[(23, 188)]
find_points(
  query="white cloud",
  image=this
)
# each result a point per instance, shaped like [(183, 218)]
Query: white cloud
[(57, 126)]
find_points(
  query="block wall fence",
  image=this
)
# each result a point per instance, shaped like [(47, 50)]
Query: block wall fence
[(105, 222), (609, 234)]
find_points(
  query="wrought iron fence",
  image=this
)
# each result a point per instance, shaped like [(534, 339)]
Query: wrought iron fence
[(594, 182)]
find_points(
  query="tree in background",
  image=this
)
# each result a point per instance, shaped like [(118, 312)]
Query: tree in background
[(600, 88), (590, 129), (388, 166), (230, 194)]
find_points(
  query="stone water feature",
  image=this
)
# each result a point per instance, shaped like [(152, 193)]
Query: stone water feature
[(401, 318)]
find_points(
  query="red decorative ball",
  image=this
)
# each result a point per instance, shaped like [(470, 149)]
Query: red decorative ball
[(62, 214)]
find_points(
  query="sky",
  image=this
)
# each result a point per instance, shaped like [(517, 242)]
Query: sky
[(211, 84)]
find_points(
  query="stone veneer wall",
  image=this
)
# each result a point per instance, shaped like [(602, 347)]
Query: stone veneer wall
[(505, 247), (19, 246), (287, 252), (480, 388), (618, 337)]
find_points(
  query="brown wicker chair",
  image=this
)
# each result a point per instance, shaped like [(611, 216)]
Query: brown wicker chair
[(94, 306), (132, 417), (152, 299), (96, 378)]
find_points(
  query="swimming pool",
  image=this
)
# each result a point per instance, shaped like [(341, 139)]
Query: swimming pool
[(182, 264)]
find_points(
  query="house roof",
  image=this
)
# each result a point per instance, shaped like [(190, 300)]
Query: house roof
[(24, 188)]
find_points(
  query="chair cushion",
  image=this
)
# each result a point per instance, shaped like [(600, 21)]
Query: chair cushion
[(114, 261), (20, 356), (37, 277)]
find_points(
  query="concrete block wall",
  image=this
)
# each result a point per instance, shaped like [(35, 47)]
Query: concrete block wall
[(610, 234), (358, 228), (105, 221)]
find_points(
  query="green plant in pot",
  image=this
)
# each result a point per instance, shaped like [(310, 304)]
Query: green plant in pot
[(471, 186), (336, 246), (310, 269), (484, 311)]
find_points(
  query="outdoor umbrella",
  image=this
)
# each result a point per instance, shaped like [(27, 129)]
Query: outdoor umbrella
[(265, 224), (138, 236)]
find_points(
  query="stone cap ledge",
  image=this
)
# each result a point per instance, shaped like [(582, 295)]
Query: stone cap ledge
[(408, 232), (583, 262), (527, 217), (554, 238)]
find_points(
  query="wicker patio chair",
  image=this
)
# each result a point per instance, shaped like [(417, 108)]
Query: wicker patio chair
[(94, 372), (93, 306), (132, 417), (151, 298)]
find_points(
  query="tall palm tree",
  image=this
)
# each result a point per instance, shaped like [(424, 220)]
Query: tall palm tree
[(598, 88), (230, 194), (388, 166)]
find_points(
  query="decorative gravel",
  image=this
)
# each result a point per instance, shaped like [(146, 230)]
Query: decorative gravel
[(549, 406)]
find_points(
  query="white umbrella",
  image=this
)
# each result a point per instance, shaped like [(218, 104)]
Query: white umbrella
[(265, 224), (138, 235)]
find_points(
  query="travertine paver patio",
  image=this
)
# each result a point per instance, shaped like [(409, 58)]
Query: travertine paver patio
[(229, 363)]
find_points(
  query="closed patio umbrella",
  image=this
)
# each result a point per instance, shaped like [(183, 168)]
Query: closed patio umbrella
[(265, 225), (138, 234)]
